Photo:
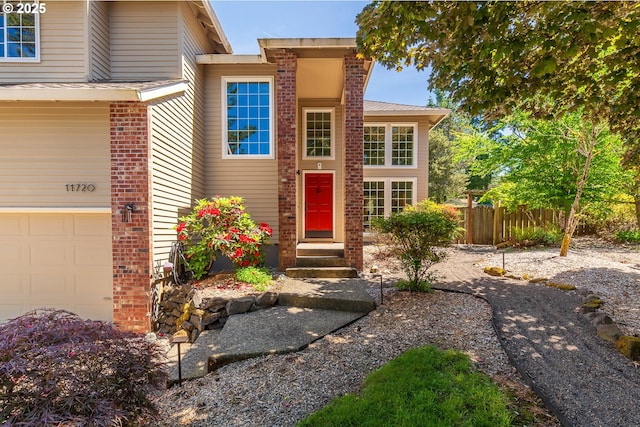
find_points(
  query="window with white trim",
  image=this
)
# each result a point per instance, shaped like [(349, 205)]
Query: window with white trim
[(373, 202), (318, 133), (390, 145), (374, 139), (247, 117), (384, 196), (19, 31)]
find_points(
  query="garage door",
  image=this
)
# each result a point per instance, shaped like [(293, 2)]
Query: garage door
[(60, 260)]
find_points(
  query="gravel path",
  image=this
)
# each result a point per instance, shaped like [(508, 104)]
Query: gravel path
[(580, 376)]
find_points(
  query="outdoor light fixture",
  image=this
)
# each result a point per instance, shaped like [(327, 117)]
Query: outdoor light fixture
[(126, 212)]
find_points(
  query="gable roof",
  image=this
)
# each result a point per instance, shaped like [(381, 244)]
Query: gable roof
[(379, 108)]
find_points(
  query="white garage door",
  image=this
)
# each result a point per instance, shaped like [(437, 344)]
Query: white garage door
[(60, 260)]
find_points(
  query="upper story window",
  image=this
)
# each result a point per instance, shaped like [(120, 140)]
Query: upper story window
[(19, 31), (390, 145), (247, 117), (318, 131)]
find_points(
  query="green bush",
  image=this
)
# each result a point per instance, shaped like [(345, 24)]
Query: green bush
[(627, 236), (221, 225), (416, 234), (58, 369), (548, 235), (258, 277)]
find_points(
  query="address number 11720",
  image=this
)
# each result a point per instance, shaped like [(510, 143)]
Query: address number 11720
[(81, 187)]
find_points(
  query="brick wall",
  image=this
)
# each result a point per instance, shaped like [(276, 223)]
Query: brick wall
[(354, 74), (131, 242), (286, 63)]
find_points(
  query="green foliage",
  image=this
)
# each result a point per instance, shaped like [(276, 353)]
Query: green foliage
[(422, 387), (495, 57), (416, 233), (628, 236), (58, 369), (530, 236), (423, 285), (221, 225), (258, 277), (540, 162)]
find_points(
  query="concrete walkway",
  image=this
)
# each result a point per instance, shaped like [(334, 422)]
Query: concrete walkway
[(307, 310)]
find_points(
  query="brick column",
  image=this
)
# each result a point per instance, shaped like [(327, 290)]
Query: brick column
[(354, 74), (286, 63), (131, 241)]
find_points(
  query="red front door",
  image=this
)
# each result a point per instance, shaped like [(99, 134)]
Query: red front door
[(318, 212)]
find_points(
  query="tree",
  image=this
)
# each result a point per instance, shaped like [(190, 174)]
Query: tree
[(569, 164), (447, 175), (495, 57)]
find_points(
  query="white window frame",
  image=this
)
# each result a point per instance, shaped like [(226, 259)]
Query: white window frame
[(5, 58), (331, 155), (388, 145), (388, 183), (224, 124)]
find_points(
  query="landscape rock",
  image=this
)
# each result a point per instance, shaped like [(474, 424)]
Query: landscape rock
[(609, 332), (267, 299), (240, 305)]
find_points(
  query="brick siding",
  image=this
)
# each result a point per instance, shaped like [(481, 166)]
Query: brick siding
[(354, 74), (286, 63), (131, 242)]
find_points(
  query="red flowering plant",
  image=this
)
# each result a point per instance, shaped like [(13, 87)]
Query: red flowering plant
[(222, 226)]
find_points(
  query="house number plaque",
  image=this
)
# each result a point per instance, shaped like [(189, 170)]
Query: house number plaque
[(81, 187)]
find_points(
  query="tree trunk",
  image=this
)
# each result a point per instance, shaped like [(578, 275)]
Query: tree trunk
[(637, 200), (574, 213)]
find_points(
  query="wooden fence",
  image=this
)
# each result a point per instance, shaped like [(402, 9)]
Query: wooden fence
[(491, 226)]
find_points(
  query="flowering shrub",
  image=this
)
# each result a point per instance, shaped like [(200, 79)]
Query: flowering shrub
[(221, 225)]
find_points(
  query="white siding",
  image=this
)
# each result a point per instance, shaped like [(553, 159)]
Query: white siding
[(62, 47), (100, 65), (255, 180), (178, 142), (46, 146), (145, 41)]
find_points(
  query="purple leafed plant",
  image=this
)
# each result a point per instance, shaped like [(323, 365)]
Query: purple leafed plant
[(59, 369)]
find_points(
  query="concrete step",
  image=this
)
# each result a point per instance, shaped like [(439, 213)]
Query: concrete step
[(327, 294), (320, 250), (322, 272), (321, 261)]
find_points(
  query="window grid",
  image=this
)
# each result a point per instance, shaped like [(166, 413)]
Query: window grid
[(401, 195), (374, 145), (248, 118), (18, 34), (373, 202), (318, 133), (402, 145)]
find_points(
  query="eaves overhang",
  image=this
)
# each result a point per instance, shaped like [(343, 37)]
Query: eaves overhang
[(92, 91)]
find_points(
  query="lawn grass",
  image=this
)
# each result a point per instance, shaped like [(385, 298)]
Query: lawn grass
[(422, 387)]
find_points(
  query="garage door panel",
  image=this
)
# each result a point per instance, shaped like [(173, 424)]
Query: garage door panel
[(91, 226), (88, 254), (12, 226), (49, 225), (50, 253), (59, 261)]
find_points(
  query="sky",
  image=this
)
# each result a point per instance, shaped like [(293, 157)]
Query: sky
[(244, 22)]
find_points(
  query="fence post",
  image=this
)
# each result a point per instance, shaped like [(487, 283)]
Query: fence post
[(496, 214), (470, 219)]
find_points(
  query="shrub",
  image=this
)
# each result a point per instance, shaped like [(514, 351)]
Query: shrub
[(258, 277), (415, 234), (221, 225), (627, 236), (58, 369), (548, 235)]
